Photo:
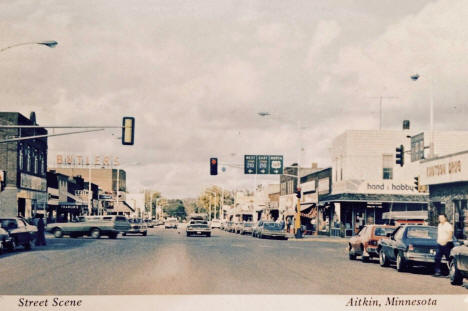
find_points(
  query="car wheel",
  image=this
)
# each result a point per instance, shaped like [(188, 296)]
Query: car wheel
[(144, 233), (188, 234), (95, 233), (260, 236), (400, 263), (113, 235), (363, 257), (124, 233), (383, 261), (29, 245), (351, 254), (58, 233), (454, 274), (208, 234)]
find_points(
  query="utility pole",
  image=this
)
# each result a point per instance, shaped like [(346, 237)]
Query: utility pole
[(381, 98)]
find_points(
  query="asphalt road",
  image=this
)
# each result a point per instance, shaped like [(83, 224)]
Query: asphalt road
[(166, 262)]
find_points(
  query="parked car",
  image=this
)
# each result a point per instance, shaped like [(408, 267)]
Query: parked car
[(271, 229), (216, 223), (247, 228), (137, 226), (93, 226), (20, 232), (159, 222), (229, 225), (256, 228), (459, 264), (222, 225), (198, 227), (365, 243), (5, 240), (409, 245), (237, 227), (170, 223)]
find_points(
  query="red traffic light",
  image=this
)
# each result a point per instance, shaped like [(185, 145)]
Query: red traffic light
[(213, 166), (213, 161)]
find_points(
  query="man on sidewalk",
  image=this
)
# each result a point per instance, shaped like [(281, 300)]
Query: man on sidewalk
[(444, 242)]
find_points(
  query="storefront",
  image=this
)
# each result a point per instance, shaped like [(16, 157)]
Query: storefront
[(356, 203), (447, 180)]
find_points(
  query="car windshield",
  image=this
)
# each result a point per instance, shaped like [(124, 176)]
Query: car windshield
[(272, 226), (248, 224), (379, 231), (8, 223), (427, 233)]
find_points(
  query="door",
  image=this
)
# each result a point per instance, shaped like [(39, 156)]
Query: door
[(21, 207)]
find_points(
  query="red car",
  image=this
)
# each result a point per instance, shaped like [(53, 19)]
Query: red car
[(364, 244)]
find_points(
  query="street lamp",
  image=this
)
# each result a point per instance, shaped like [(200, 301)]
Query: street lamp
[(297, 223), (48, 43), (415, 77)]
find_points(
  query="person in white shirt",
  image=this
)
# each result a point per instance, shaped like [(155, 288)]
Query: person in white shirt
[(444, 242)]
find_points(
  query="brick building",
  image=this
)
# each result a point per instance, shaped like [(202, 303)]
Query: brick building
[(23, 165)]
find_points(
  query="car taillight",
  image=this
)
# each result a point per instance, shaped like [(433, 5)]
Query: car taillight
[(411, 247)]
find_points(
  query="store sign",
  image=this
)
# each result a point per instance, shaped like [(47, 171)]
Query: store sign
[(374, 187), (308, 186), (324, 185), (81, 160), (310, 198), (444, 170), (33, 182)]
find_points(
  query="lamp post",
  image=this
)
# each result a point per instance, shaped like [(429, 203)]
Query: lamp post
[(50, 44), (416, 77), (297, 223)]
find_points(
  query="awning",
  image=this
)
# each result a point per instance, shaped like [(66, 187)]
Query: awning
[(305, 206), (373, 197)]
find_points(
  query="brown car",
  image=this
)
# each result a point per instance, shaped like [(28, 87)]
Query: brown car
[(364, 244)]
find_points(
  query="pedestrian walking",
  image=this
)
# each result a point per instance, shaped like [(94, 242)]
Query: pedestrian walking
[(40, 239), (289, 224), (444, 242)]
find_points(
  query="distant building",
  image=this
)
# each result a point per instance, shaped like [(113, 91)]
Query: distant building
[(23, 165)]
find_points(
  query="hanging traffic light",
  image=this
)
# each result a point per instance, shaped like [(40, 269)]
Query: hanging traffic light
[(400, 155), (128, 130), (213, 166)]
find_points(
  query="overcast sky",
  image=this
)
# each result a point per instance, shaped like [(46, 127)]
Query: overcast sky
[(195, 74)]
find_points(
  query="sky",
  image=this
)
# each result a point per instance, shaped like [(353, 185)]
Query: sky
[(195, 74)]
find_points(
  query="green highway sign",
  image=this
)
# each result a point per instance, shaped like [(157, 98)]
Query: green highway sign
[(250, 164), (263, 164), (276, 164)]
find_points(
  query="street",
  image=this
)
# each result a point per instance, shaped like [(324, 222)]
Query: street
[(168, 262)]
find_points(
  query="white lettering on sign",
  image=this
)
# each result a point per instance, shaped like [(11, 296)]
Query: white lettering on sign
[(71, 159)]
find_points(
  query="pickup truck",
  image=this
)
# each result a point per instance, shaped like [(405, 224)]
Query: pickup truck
[(93, 226)]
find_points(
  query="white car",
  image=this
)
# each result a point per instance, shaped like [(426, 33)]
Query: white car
[(216, 223)]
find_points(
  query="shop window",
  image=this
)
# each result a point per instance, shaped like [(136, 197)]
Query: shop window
[(28, 159), (36, 162), (387, 166)]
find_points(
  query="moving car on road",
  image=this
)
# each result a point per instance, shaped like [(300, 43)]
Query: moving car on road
[(93, 226), (20, 232), (365, 243), (409, 245), (137, 226), (271, 229), (170, 223), (198, 227), (149, 223), (459, 264)]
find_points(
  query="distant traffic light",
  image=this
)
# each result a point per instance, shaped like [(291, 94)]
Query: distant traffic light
[(416, 182), (298, 193), (400, 155), (213, 166), (128, 130)]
